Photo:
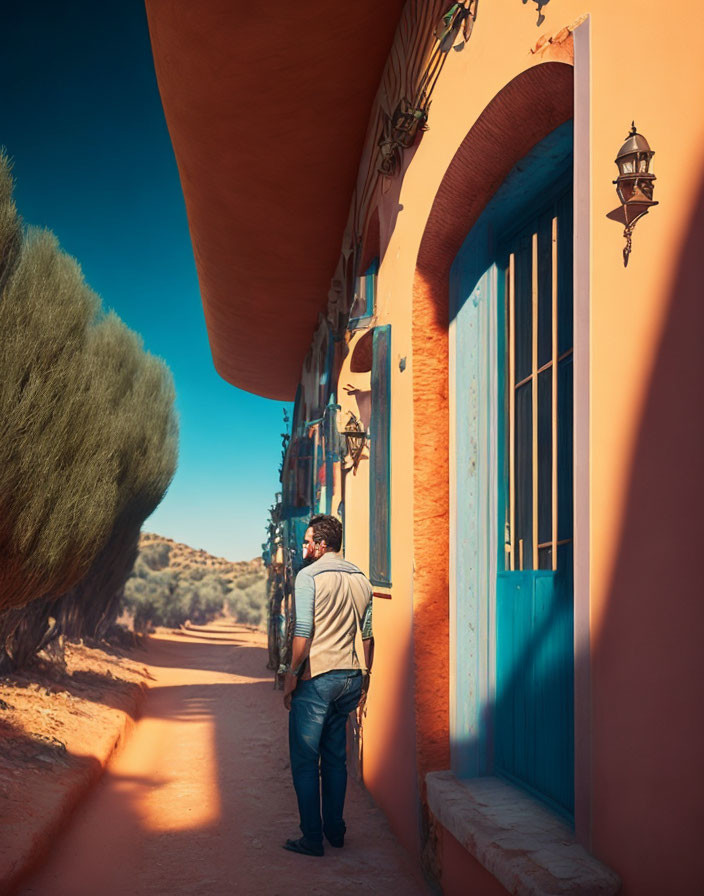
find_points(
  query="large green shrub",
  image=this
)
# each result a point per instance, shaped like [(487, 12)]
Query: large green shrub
[(172, 597), (156, 556), (248, 604), (10, 226), (88, 441), (92, 606), (58, 487), (140, 398)]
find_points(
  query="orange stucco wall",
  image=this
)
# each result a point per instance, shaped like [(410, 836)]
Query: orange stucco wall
[(644, 729), (531, 105), (389, 742), (647, 611)]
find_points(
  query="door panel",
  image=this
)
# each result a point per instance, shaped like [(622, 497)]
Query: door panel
[(534, 738), (534, 706)]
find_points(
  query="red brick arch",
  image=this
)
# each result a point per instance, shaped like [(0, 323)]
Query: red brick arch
[(527, 109)]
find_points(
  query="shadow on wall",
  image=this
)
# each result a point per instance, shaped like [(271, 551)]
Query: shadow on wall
[(648, 660), (389, 748)]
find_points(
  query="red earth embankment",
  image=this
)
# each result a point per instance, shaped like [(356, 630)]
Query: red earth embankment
[(58, 729)]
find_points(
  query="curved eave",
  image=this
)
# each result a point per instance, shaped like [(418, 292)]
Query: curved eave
[(267, 107)]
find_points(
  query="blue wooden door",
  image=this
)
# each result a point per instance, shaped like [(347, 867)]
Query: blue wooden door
[(534, 717)]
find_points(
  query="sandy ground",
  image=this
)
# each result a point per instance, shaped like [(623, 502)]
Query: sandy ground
[(59, 723), (200, 800)]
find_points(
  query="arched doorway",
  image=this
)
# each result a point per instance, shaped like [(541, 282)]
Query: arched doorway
[(486, 174)]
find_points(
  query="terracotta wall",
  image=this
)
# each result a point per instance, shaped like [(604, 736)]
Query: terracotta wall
[(389, 745), (645, 726)]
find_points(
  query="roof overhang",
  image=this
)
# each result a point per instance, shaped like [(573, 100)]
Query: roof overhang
[(267, 106)]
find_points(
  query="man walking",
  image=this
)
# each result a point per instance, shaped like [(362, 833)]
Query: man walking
[(333, 601)]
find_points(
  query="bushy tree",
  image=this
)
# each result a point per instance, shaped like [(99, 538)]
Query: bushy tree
[(58, 485), (88, 441), (92, 606), (156, 556), (10, 225), (24, 631), (140, 397), (248, 604), (247, 580), (146, 596), (172, 597)]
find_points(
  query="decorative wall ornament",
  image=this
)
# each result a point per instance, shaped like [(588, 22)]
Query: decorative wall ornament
[(634, 185), (400, 132), (391, 125), (410, 116)]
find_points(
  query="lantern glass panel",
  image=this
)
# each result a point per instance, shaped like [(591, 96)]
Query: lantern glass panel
[(627, 165)]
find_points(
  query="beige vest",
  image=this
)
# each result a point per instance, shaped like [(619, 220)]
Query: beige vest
[(341, 599)]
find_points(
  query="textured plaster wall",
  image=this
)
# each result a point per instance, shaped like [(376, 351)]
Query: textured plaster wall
[(389, 745), (431, 526), (420, 499), (643, 721)]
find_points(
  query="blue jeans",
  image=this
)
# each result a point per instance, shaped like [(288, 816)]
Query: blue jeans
[(317, 742)]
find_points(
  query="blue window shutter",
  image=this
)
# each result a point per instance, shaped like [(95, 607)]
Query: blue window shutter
[(365, 287), (380, 460), (370, 286)]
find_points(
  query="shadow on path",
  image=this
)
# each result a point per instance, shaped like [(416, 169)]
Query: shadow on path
[(200, 800)]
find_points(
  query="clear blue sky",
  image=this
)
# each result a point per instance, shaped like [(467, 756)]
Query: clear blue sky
[(81, 117)]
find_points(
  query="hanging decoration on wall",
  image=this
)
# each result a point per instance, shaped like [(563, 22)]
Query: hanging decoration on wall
[(410, 116), (634, 185)]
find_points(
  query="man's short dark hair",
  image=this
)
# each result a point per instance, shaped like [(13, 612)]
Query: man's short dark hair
[(328, 529)]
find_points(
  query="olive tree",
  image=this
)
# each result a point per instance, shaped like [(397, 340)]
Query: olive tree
[(87, 437), (10, 224), (57, 474), (143, 429)]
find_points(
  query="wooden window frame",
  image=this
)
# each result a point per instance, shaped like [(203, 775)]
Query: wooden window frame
[(369, 277)]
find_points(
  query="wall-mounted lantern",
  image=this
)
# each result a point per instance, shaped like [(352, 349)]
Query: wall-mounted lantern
[(356, 438), (634, 184)]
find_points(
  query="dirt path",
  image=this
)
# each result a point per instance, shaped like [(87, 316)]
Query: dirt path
[(200, 800)]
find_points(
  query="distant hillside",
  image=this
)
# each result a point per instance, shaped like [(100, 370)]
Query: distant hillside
[(173, 583), (182, 556)]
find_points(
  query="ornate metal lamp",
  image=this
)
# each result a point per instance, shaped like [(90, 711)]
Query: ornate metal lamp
[(355, 437), (634, 184)]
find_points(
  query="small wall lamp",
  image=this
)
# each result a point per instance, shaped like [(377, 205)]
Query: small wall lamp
[(634, 184), (355, 437)]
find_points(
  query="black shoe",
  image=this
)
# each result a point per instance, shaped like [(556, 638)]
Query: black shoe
[(337, 842), (304, 847)]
